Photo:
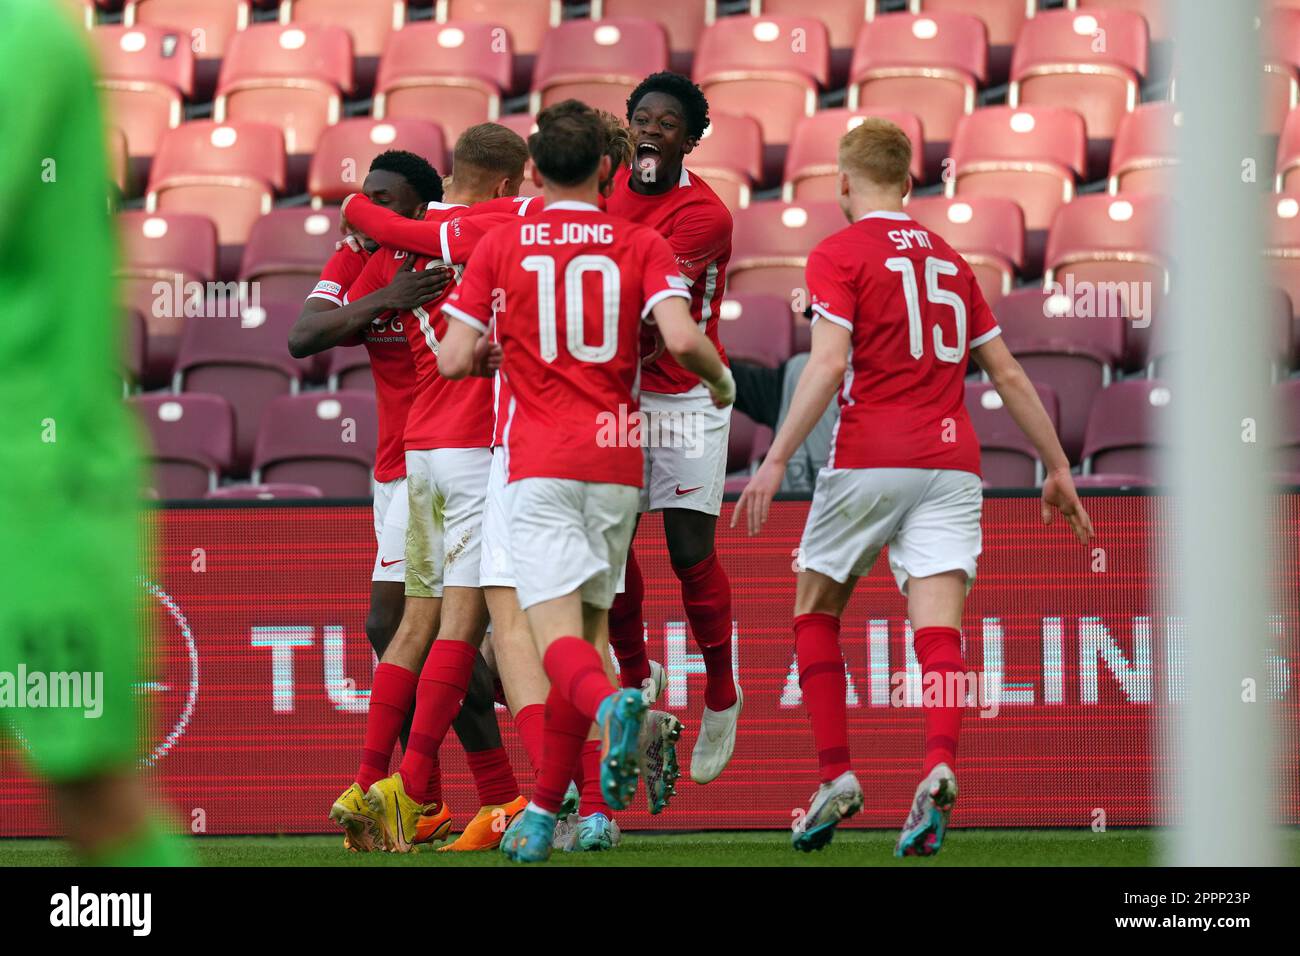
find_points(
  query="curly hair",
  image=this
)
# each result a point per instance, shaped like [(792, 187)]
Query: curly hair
[(416, 170), (680, 88)]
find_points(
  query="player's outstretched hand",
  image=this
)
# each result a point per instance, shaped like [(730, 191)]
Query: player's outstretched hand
[(487, 358), (1059, 494), (723, 391), (756, 499), (412, 287)]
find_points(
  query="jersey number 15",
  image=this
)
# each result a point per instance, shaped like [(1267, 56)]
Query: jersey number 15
[(934, 296)]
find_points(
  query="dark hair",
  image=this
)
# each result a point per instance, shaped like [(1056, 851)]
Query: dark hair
[(680, 88), (416, 170), (569, 142)]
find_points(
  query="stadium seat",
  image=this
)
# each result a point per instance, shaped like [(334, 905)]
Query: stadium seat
[(599, 63), (1007, 458), (747, 442), (292, 77), (349, 369), (161, 256), (369, 24), (1281, 81), (286, 250), (1288, 424), (1075, 353), (454, 72), (682, 20), (1124, 429), (1031, 155), (930, 64), (82, 12), (267, 492), (146, 73), (326, 440), (1112, 480), (1058, 62), (135, 353), (1143, 157), (522, 24), (191, 439), (729, 156), (119, 161), (346, 151), (1288, 154), (987, 231), (243, 358), (1002, 20), (1157, 13), (842, 19), (229, 172), (756, 328), (769, 68), (209, 24), (771, 242), (1283, 247), (812, 163)]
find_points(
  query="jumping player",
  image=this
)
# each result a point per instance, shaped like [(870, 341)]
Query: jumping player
[(898, 310)]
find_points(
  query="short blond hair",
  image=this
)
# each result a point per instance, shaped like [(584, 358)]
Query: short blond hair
[(486, 153), (618, 146), (877, 150)]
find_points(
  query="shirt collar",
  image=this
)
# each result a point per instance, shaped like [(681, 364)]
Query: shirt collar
[(886, 214), (573, 204)]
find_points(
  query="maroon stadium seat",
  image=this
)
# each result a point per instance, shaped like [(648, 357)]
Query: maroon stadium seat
[(267, 492), (349, 369), (682, 20), (1288, 423), (930, 64), (229, 172), (243, 358), (746, 443), (135, 355), (191, 438), (1075, 354), (209, 23), (172, 249), (771, 242), (286, 250), (1281, 82), (1007, 458), (369, 24), (599, 63), (523, 23), (842, 19), (455, 73), (769, 68), (730, 157), (1058, 62), (1003, 19), (322, 439), (1143, 157), (987, 231), (812, 163), (756, 328), (1124, 429), (346, 150)]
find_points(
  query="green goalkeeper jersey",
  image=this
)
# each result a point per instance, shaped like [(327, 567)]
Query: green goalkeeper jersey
[(69, 450)]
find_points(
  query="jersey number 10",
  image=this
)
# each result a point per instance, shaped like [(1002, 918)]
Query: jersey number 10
[(574, 327), (933, 296)]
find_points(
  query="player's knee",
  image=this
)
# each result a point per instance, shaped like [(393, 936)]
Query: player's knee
[(381, 625), (689, 548)]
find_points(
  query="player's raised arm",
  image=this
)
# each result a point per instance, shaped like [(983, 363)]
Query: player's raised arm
[(391, 230), (1021, 400)]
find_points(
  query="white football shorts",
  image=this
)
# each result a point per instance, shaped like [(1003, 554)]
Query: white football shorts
[(391, 510), (445, 488), (496, 570), (685, 441)]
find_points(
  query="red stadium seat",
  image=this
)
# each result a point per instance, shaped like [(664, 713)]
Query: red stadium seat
[(1288, 421), (1143, 157), (522, 24), (349, 369), (293, 77), (812, 163), (1059, 62), (209, 24), (1007, 458), (82, 12), (1124, 429), (145, 73), (747, 442), (326, 440), (1074, 353), (267, 492), (454, 72), (1003, 19), (988, 232), (599, 63), (1157, 13), (346, 151), (243, 358), (729, 156), (229, 172), (191, 437), (286, 250), (769, 68), (161, 256), (368, 23), (771, 242), (930, 64), (683, 20), (756, 328), (1288, 154)]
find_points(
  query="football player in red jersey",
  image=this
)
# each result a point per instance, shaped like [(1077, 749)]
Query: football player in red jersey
[(686, 460), (897, 314), (569, 289)]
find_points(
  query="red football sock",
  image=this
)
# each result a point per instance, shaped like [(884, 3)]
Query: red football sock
[(627, 627), (531, 724), (443, 684), (706, 594), (493, 776), (593, 801), (575, 670), (391, 695), (938, 650), (821, 677), (566, 729)]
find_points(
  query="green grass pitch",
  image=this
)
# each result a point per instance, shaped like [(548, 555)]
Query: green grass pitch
[(850, 848)]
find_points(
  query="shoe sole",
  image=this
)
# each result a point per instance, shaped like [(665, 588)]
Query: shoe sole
[(670, 731), (363, 833), (620, 764), (816, 838), (927, 839)]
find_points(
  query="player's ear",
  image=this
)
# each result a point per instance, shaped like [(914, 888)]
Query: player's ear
[(604, 169), (690, 143), (535, 176), (844, 185), (907, 188)]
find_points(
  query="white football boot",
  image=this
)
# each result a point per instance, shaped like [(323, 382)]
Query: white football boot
[(716, 742), (652, 688), (833, 802), (928, 819)]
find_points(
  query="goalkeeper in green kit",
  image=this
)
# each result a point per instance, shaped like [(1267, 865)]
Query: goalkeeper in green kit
[(69, 452)]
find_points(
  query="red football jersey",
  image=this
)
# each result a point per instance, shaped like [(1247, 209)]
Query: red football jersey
[(915, 311), (697, 225), (577, 284), (390, 362)]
